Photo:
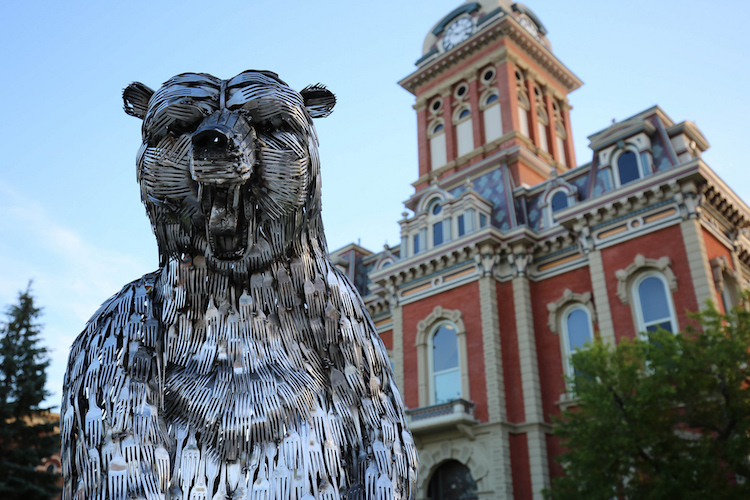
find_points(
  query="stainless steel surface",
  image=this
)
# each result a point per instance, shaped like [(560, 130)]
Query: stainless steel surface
[(246, 366)]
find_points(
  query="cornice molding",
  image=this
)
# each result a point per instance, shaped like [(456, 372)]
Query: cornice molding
[(505, 27)]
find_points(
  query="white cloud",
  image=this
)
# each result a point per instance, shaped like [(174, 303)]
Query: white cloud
[(71, 276)]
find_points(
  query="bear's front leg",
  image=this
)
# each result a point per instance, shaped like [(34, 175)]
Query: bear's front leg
[(115, 442)]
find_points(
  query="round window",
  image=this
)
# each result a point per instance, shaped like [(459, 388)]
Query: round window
[(435, 207), (462, 90), (436, 105), (488, 75)]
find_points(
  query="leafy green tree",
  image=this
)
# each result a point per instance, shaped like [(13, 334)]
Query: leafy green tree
[(662, 417), (27, 436)]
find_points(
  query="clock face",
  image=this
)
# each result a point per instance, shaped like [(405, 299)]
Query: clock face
[(530, 27), (458, 31)]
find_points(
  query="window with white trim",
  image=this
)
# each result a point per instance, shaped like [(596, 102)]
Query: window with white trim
[(464, 131), (491, 114), (438, 155), (559, 201), (442, 360), (653, 303), (577, 333), (439, 222), (445, 369), (523, 105), (542, 121)]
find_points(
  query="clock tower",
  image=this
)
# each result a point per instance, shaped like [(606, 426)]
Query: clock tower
[(490, 91)]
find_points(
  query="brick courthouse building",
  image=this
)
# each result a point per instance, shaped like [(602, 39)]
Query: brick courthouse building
[(512, 254)]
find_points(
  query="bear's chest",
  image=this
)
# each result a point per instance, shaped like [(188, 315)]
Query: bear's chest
[(247, 377)]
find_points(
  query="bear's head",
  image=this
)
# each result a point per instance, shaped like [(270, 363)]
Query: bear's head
[(229, 169)]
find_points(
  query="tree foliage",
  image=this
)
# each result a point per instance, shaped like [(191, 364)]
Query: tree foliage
[(667, 416), (27, 436)]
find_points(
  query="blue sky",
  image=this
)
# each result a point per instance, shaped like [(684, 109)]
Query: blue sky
[(72, 219)]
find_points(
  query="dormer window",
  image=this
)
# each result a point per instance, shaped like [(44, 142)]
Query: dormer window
[(558, 196), (627, 168), (440, 218), (559, 201)]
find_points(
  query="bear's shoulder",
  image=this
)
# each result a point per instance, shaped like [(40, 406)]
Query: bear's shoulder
[(131, 303)]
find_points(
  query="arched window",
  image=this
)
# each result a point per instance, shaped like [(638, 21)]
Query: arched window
[(560, 136), (452, 481), (523, 105), (438, 154), (439, 222), (654, 308), (627, 167), (464, 131), (577, 331), (493, 123), (559, 201), (445, 366), (541, 126)]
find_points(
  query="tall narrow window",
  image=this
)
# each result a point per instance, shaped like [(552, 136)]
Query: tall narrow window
[(446, 373), (464, 132), (560, 140), (541, 125), (523, 114), (523, 104), (627, 167), (437, 146), (577, 332), (437, 233), (493, 123), (653, 303)]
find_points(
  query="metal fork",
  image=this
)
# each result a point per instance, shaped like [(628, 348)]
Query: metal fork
[(161, 459), (282, 479), (199, 490), (371, 480), (93, 424), (118, 476), (190, 459), (384, 488)]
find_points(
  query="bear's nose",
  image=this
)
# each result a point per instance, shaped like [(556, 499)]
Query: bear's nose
[(210, 143), (223, 149)]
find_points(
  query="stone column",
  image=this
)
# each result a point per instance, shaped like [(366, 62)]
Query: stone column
[(397, 353), (598, 285), (532, 390), (493, 366), (695, 248)]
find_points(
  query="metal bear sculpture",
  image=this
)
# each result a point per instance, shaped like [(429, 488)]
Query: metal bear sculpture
[(246, 367)]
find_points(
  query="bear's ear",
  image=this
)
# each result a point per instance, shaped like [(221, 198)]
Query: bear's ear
[(319, 101), (135, 99)]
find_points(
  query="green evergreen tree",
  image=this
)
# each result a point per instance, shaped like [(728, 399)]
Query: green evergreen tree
[(27, 436), (661, 417)]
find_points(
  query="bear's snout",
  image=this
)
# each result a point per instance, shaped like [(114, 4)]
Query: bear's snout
[(223, 149)]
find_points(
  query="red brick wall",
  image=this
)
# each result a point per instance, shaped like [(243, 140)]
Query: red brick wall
[(554, 449), (466, 299), (549, 356), (715, 248), (666, 242), (387, 337), (519, 463)]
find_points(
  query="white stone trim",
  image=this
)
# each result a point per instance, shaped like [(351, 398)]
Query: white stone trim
[(425, 329), (642, 264)]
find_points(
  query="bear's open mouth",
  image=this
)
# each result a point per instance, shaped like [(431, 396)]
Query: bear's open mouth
[(226, 225)]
